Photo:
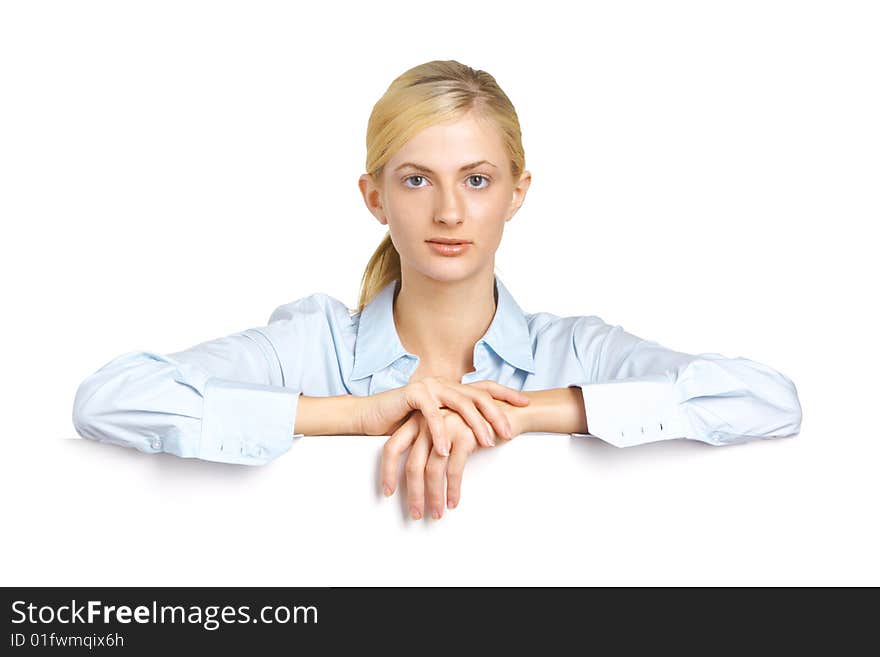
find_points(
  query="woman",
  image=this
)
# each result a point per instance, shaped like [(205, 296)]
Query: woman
[(438, 355)]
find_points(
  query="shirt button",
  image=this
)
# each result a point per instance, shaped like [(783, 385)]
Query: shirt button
[(156, 443)]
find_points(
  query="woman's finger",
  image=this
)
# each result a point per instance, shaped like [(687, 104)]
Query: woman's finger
[(424, 399), (477, 408), (454, 471), (434, 475), (463, 404), (415, 473), (400, 441), (494, 413), (501, 392)]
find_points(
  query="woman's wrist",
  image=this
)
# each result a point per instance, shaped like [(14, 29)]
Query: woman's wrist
[(557, 410), (329, 416), (517, 416)]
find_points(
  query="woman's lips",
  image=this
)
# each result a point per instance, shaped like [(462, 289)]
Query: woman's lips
[(449, 249)]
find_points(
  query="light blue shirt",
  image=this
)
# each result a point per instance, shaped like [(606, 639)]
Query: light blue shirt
[(234, 399)]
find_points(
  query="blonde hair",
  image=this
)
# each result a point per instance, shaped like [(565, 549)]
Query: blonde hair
[(427, 94)]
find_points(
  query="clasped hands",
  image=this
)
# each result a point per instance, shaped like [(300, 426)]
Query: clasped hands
[(441, 422)]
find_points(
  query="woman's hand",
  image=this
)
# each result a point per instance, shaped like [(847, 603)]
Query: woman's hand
[(476, 403), (426, 466)]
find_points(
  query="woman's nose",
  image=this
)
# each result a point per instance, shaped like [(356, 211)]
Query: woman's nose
[(450, 211)]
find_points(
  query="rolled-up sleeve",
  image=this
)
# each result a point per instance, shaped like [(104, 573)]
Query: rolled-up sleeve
[(225, 400), (637, 391)]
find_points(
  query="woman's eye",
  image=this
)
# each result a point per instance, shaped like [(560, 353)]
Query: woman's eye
[(479, 178), (411, 177)]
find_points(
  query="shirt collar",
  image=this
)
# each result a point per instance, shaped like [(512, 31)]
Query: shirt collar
[(378, 345)]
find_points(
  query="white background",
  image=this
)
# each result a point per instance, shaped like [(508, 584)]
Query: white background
[(704, 175)]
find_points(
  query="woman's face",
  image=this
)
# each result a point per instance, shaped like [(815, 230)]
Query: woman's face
[(450, 181)]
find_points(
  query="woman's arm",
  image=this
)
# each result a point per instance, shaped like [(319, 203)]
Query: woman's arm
[(330, 416), (559, 410), (637, 391), (230, 399), (224, 400)]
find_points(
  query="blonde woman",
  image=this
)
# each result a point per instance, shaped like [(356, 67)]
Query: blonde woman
[(438, 355)]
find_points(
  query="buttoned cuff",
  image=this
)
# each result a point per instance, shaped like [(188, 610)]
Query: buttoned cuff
[(632, 411), (247, 423)]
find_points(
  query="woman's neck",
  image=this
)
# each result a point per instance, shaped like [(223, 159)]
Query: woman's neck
[(441, 322)]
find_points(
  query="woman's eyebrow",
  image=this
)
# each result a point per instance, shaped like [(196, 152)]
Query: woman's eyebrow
[(421, 167)]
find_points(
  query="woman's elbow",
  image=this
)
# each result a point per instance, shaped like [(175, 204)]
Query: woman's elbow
[(763, 404), (85, 414), (102, 413), (780, 405)]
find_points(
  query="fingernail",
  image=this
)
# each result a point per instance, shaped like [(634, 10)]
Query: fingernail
[(491, 441), (450, 504), (435, 514), (444, 450), (387, 490), (415, 513)]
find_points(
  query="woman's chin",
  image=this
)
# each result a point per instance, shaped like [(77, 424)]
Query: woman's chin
[(449, 272)]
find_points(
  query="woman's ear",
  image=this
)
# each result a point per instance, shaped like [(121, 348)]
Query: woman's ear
[(372, 197), (519, 193)]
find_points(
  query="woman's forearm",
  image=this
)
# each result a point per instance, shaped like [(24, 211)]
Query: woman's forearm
[(329, 416), (558, 410)]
